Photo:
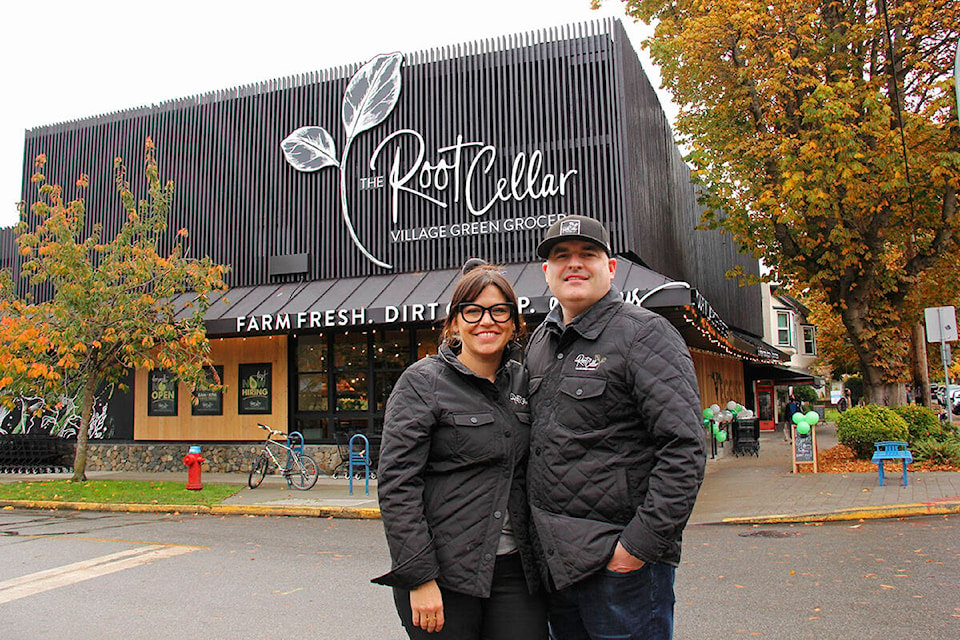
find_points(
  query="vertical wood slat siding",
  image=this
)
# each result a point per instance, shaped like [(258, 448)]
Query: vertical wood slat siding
[(578, 94)]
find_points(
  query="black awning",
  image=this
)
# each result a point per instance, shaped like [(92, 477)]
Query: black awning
[(385, 299), (753, 344), (778, 374)]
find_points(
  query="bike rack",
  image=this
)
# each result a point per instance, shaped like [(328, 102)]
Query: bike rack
[(295, 442), (360, 458)]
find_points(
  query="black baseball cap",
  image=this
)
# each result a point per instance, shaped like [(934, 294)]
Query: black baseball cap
[(574, 228)]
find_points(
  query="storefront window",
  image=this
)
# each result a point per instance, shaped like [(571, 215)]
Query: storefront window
[(312, 394), (391, 355), (343, 380), (350, 367), (426, 343), (314, 429)]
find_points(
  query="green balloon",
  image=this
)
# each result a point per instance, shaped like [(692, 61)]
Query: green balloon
[(739, 408), (812, 417), (708, 413), (716, 428), (797, 417), (721, 436), (803, 427)]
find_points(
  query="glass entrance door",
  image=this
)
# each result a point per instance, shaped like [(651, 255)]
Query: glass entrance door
[(765, 406)]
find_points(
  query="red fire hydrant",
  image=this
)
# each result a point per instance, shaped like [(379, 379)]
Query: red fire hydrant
[(194, 460)]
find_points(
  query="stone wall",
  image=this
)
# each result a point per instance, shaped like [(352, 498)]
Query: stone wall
[(220, 458)]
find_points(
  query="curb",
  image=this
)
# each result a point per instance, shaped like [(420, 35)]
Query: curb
[(352, 513), (945, 507), (940, 508)]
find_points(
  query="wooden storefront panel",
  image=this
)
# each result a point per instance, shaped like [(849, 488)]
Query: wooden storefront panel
[(720, 378), (230, 353)]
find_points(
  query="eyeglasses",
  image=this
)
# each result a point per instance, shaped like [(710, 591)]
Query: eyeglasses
[(473, 313)]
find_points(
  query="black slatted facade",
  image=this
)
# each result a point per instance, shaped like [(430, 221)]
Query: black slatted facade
[(577, 95), (570, 103)]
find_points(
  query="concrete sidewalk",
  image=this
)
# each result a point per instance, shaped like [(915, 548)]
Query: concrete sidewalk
[(745, 489), (764, 489)]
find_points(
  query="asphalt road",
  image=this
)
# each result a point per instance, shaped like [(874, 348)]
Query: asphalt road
[(90, 575)]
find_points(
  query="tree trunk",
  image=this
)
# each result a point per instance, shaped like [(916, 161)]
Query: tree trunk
[(876, 389), (921, 374), (86, 410), (888, 394)]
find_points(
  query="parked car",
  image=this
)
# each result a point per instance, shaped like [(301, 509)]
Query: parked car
[(948, 396)]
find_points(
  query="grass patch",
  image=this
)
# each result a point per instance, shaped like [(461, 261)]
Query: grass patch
[(117, 492)]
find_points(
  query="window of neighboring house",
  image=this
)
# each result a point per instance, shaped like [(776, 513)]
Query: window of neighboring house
[(809, 340), (784, 334)]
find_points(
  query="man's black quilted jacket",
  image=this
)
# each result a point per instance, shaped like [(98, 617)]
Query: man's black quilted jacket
[(617, 448)]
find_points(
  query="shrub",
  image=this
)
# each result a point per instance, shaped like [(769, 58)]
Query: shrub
[(860, 427), (805, 393), (944, 452), (922, 423)]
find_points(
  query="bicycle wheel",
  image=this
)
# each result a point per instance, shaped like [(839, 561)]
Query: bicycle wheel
[(303, 473), (258, 471)]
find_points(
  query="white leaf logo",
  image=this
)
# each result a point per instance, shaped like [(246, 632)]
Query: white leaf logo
[(372, 93), (310, 149)]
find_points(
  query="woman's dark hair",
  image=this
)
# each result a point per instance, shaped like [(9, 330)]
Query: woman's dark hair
[(477, 276)]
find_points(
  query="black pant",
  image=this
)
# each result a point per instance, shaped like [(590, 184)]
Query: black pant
[(510, 613)]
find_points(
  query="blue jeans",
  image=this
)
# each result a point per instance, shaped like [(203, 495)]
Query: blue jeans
[(616, 606)]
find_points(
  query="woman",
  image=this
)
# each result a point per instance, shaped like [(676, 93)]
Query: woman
[(451, 476)]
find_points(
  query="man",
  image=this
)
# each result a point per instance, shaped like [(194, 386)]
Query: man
[(617, 450), (792, 407)]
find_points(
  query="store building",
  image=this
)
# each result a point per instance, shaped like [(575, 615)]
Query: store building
[(346, 200)]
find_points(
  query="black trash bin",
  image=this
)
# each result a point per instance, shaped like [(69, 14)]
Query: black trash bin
[(745, 434)]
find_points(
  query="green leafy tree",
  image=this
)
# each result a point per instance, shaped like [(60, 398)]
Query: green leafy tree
[(112, 302), (793, 111)]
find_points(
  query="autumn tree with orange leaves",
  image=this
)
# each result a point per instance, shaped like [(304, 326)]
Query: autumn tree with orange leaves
[(110, 302), (793, 111)]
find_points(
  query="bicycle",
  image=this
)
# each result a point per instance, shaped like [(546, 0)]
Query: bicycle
[(300, 471)]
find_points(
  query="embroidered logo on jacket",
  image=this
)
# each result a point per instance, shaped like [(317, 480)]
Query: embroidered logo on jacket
[(588, 363), (518, 399)]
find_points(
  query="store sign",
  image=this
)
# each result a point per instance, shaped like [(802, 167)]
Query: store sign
[(459, 173), (332, 318), (161, 393), (352, 317), (256, 388), (206, 402)]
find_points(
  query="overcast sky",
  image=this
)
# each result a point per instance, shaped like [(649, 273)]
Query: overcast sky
[(67, 60)]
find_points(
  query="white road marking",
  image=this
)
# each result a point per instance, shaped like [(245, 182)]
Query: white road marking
[(79, 571)]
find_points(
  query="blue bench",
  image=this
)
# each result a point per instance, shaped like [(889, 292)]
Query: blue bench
[(891, 451)]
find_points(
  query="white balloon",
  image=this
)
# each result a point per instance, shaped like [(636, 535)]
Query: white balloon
[(716, 408), (731, 405)]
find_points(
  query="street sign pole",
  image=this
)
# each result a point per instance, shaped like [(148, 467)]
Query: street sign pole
[(945, 354), (942, 327)]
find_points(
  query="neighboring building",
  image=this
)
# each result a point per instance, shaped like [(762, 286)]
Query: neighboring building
[(786, 326), (342, 261)]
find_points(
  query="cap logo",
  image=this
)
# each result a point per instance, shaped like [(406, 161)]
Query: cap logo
[(569, 227)]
